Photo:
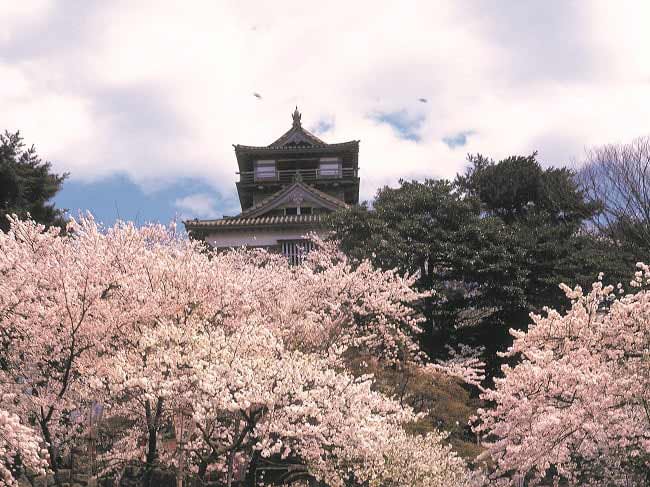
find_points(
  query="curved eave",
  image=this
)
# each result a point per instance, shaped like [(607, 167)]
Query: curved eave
[(251, 149), (264, 222)]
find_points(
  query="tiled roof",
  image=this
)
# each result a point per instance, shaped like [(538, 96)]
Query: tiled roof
[(296, 138), (264, 148), (255, 222), (307, 188)]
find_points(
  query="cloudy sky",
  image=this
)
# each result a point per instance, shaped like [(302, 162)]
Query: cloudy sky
[(141, 101)]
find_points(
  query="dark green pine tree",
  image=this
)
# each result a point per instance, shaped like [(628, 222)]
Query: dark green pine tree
[(472, 263), (493, 246), (27, 184)]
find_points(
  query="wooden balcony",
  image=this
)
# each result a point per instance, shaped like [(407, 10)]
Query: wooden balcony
[(292, 175)]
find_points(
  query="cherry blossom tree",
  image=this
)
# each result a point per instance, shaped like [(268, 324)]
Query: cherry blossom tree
[(65, 303), (253, 355), (252, 400), (247, 398), (20, 449), (53, 316), (575, 407), (241, 357)]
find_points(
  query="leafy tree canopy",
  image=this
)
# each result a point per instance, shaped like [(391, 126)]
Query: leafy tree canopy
[(471, 262), (493, 245), (26, 183), (518, 187)]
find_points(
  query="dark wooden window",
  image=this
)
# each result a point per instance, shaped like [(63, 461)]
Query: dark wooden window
[(300, 210), (329, 167), (265, 171)]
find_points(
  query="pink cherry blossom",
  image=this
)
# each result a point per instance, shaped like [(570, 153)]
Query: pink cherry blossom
[(239, 354), (18, 441), (575, 405)]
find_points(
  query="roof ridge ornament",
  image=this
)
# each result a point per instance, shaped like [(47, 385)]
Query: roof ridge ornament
[(296, 118)]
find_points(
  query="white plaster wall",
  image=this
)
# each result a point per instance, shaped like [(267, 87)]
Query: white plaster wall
[(257, 238)]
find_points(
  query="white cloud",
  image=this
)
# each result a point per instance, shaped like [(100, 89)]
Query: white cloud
[(160, 90), (14, 16), (197, 205)]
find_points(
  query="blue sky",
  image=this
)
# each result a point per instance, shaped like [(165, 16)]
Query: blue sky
[(141, 101), (116, 197)]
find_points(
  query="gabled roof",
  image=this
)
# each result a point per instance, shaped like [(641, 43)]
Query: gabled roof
[(297, 138), (297, 191)]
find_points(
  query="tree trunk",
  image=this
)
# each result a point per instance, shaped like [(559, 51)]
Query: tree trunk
[(152, 455), (229, 475), (231, 457), (203, 468), (51, 450), (249, 479), (152, 441)]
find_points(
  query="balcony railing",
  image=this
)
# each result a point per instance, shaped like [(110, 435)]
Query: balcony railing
[(292, 175)]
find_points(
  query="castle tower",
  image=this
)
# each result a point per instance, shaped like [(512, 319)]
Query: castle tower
[(284, 190)]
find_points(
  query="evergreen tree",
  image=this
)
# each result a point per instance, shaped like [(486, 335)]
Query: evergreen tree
[(26, 183), (493, 246)]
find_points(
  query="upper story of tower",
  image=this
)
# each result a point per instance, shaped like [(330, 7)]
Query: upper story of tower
[(298, 156)]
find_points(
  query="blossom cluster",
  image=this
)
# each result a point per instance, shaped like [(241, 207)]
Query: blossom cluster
[(18, 442), (575, 406), (238, 354)]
